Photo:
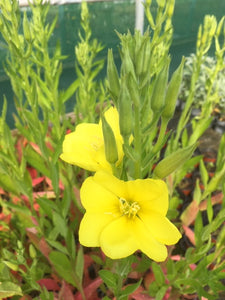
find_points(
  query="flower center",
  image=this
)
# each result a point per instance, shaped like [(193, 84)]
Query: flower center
[(97, 143), (129, 208)]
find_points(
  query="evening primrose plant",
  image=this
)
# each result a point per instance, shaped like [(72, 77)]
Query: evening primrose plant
[(116, 147), (92, 206)]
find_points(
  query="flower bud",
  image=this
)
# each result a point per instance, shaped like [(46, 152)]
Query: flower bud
[(112, 75), (219, 27), (140, 52), (212, 25), (32, 251), (159, 89), (125, 110), (161, 3), (127, 64), (173, 161), (199, 37), (147, 57), (172, 92), (111, 153), (170, 8), (26, 28), (84, 11), (133, 90), (148, 2), (8, 6)]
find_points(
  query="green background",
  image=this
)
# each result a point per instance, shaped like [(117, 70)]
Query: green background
[(107, 16)]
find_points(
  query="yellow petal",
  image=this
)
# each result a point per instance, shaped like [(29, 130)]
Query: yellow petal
[(91, 227), (111, 183), (85, 148), (151, 194), (160, 227), (147, 243), (95, 198), (117, 240)]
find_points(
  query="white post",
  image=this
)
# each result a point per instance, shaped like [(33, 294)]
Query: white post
[(139, 16)]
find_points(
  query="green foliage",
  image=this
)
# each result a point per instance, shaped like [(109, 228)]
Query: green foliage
[(208, 66), (39, 194), (87, 69)]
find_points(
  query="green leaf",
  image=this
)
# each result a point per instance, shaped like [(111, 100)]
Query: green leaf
[(109, 278), (9, 289), (60, 224), (79, 267), (5, 274), (198, 228), (98, 260), (161, 292), (47, 206), (124, 266), (54, 171), (35, 160), (63, 267), (67, 94), (7, 183), (66, 202), (70, 243), (129, 290), (204, 173), (57, 245), (159, 276)]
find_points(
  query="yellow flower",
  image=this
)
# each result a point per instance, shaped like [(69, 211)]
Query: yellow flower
[(85, 146), (124, 216)]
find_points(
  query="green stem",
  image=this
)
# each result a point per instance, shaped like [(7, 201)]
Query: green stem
[(137, 142), (81, 290)]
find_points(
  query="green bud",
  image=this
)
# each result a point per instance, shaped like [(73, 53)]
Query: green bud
[(84, 11), (26, 28), (159, 89), (8, 6), (140, 52), (112, 75), (125, 110), (133, 90), (170, 8), (148, 2), (199, 37), (32, 251), (111, 153), (173, 161), (212, 25), (127, 64), (161, 3), (147, 57), (172, 92), (219, 27)]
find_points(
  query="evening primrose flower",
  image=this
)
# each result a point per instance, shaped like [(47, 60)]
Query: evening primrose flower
[(124, 216), (85, 146)]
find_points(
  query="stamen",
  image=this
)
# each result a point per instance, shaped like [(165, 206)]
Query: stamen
[(129, 208)]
